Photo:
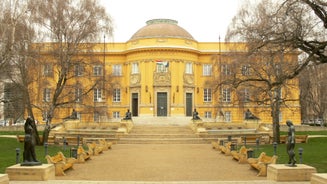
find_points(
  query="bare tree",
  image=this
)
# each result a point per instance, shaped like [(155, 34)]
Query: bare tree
[(313, 93), (70, 26), (272, 61), (16, 58)]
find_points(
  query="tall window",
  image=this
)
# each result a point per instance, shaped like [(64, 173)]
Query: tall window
[(117, 70), (96, 117), (226, 95), (228, 116), (207, 70), (48, 70), (207, 95), (97, 95), (207, 114), (188, 68), (116, 95), (278, 93), (78, 70), (46, 95), (97, 70), (135, 68), (245, 70), (78, 94), (116, 114), (225, 69), (246, 95), (162, 66), (280, 116)]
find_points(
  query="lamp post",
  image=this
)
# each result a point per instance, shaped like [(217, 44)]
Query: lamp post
[(45, 148), (300, 154), (17, 155), (275, 148)]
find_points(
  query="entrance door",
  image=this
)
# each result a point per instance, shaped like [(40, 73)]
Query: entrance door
[(161, 104), (189, 104), (135, 102)]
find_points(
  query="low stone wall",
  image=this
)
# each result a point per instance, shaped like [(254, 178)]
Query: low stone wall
[(90, 125), (300, 128)]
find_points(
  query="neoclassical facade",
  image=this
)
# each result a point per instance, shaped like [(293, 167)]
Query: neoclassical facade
[(161, 71)]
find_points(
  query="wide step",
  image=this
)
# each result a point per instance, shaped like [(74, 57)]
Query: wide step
[(162, 141), (161, 134)]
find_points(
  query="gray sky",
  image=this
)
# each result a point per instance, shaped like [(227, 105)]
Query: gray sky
[(205, 20)]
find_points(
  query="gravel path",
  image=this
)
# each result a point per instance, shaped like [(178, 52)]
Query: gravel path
[(161, 162)]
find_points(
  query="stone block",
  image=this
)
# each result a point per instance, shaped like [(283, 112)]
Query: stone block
[(281, 172), (4, 179), (42, 172), (319, 178)]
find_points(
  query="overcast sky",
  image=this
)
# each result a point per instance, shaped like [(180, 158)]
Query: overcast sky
[(205, 20)]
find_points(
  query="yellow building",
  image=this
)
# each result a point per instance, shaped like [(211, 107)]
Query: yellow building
[(160, 71)]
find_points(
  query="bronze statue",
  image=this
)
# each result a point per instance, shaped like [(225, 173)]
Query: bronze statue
[(128, 115), (291, 143), (29, 156), (249, 115), (72, 116), (195, 115)]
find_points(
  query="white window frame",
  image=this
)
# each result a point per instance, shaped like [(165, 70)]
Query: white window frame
[(189, 68), (117, 70), (228, 116), (97, 95), (97, 70), (245, 70), (116, 95), (225, 69), (78, 70), (78, 94), (116, 114), (226, 95), (246, 95), (48, 70), (47, 95), (135, 68), (96, 117), (207, 70), (280, 116), (208, 114), (162, 68), (207, 95)]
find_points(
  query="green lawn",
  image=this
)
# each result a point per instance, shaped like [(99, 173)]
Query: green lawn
[(8, 152)]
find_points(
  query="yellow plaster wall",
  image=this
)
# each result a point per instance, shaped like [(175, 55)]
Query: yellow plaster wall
[(177, 52)]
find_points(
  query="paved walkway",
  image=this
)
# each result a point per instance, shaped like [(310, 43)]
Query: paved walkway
[(160, 163)]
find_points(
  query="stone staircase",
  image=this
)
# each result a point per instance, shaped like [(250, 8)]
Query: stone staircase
[(161, 134)]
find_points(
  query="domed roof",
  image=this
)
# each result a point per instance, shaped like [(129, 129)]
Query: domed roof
[(162, 28)]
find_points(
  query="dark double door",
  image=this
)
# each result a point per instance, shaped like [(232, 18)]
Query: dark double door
[(135, 106), (162, 109), (189, 104)]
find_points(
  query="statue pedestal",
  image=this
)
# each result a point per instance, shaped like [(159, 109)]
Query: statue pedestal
[(42, 172), (126, 124), (4, 179), (319, 178), (197, 123), (281, 172)]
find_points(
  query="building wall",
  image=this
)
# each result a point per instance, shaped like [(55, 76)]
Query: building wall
[(143, 90)]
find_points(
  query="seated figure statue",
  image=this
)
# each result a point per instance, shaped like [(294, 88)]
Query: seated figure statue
[(128, 115), (249, 115), (195, 115), (72, 116)]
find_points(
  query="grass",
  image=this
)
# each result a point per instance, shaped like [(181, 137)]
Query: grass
[(8, 152), (314, 153)]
